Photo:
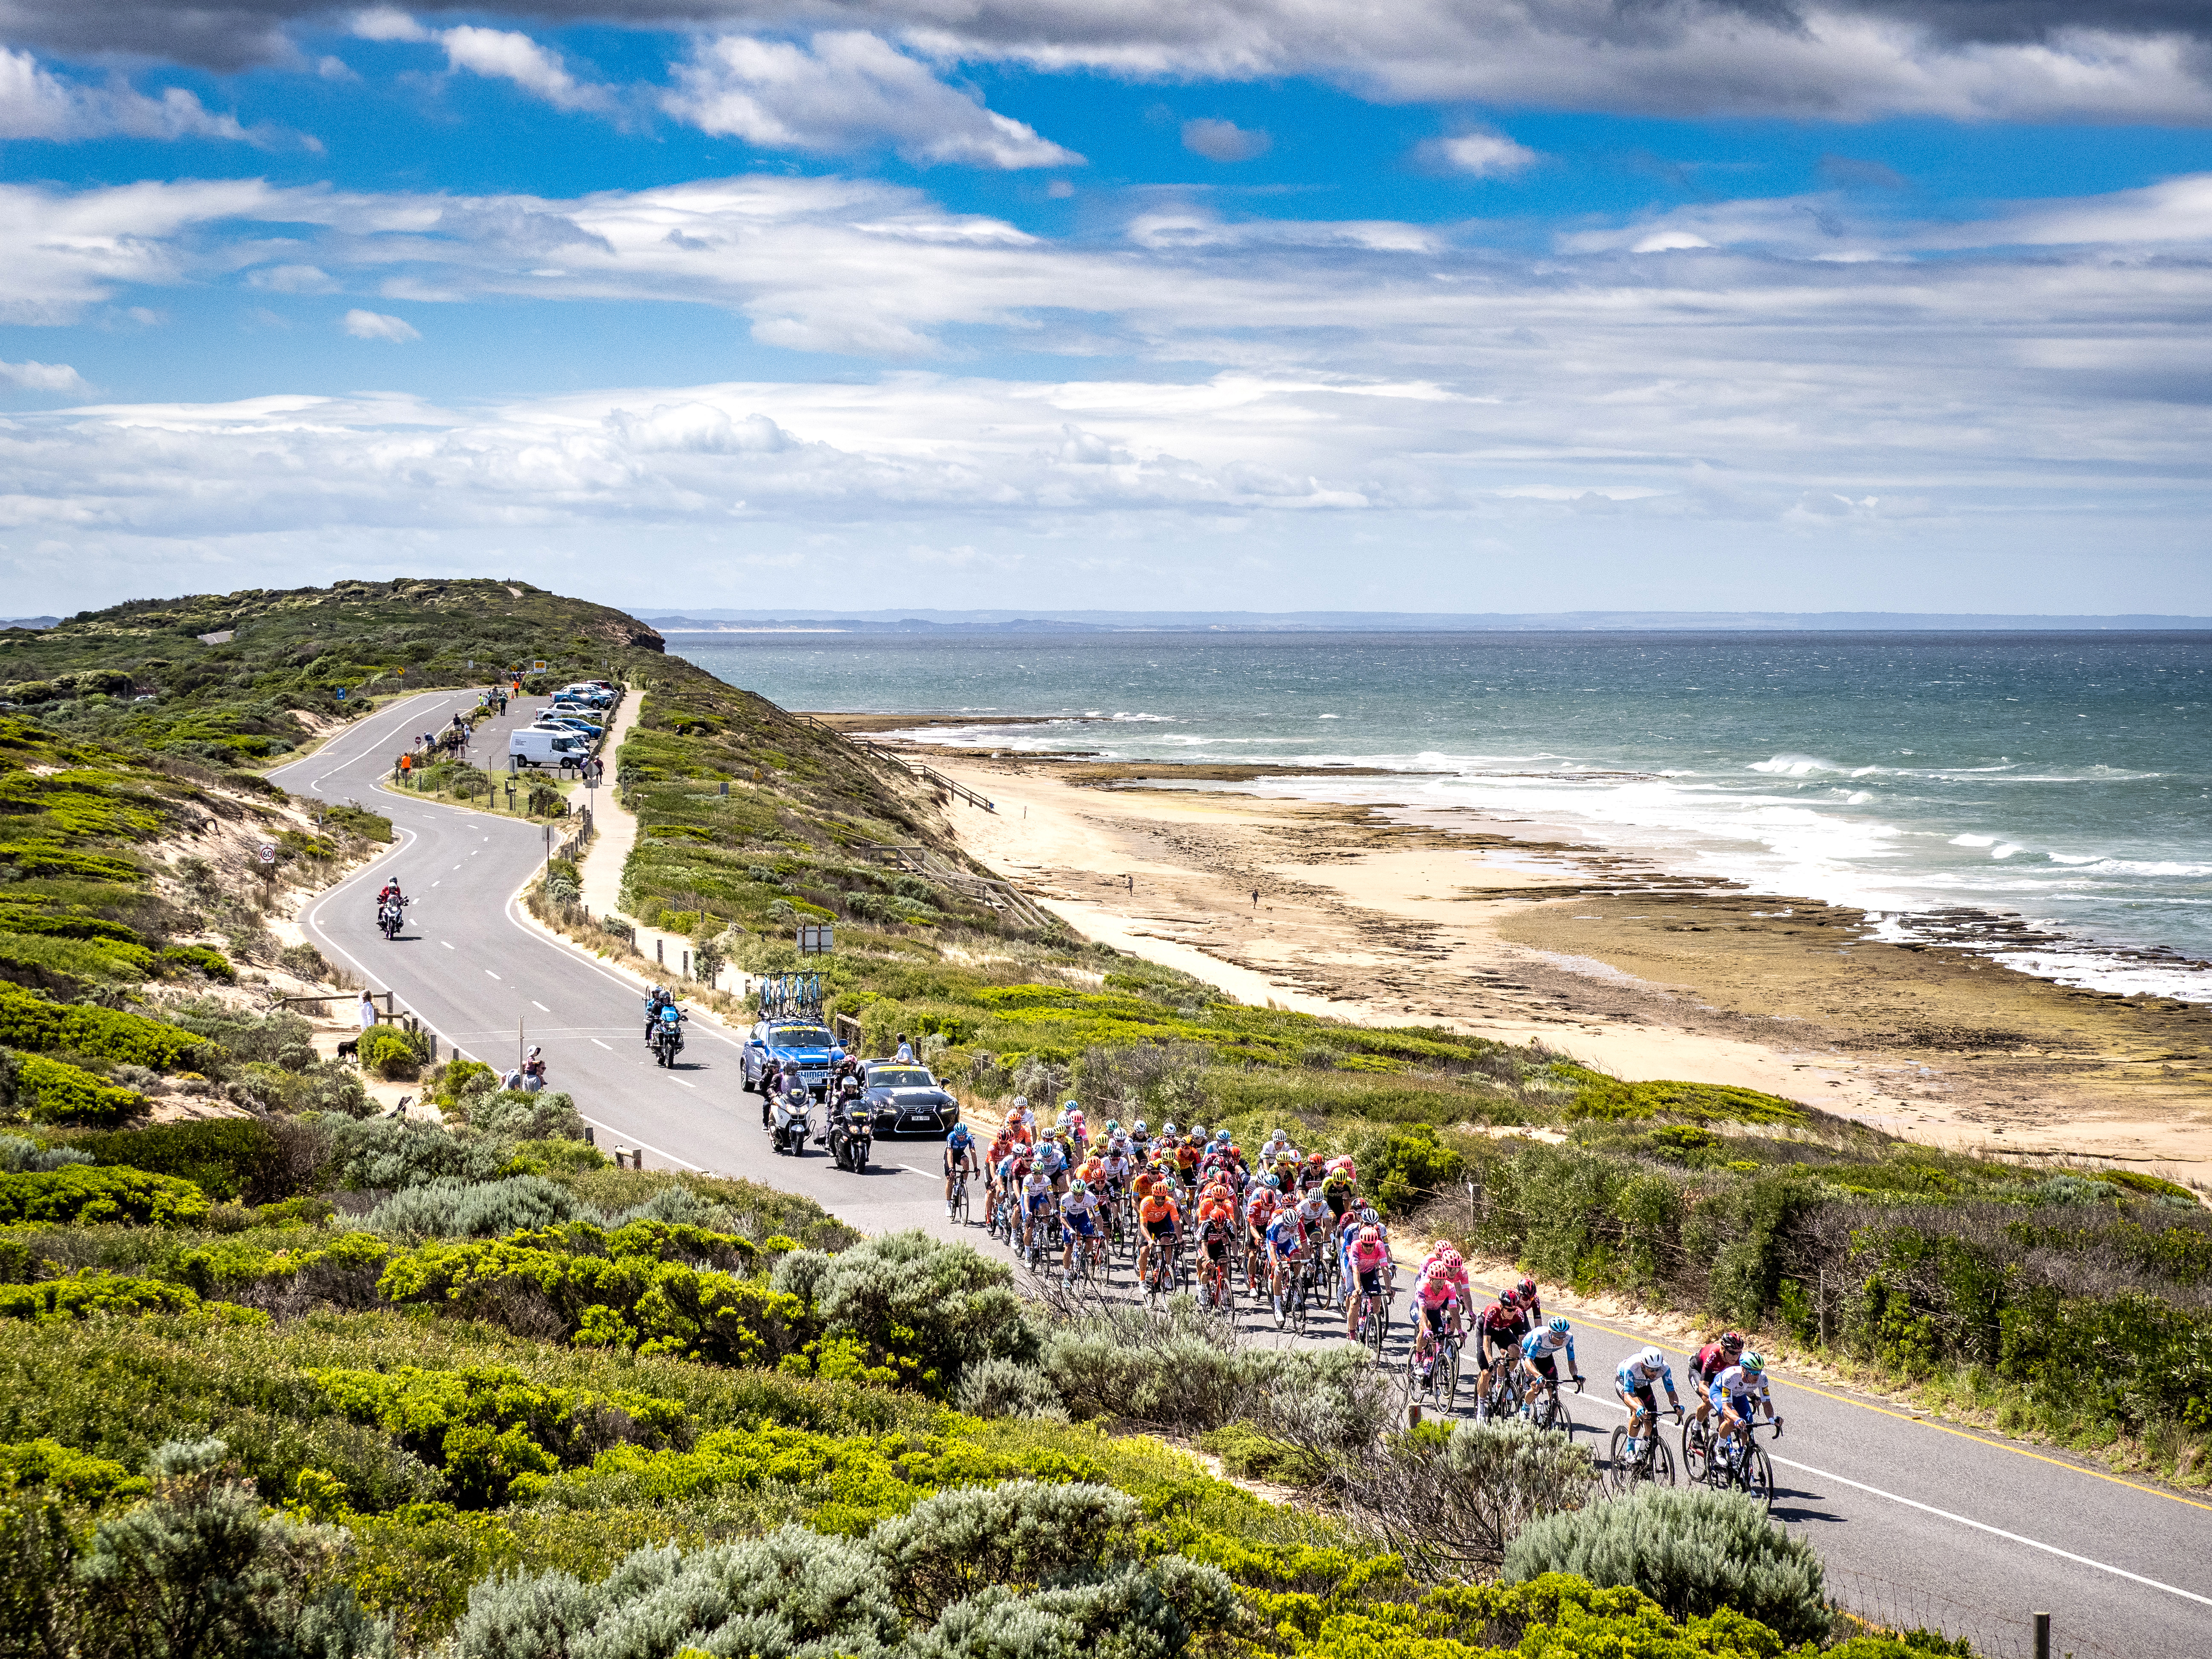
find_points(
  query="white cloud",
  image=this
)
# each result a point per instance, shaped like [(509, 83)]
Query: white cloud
[(1480, 154), (845, 91), (292, 279), (505, 55), (1225, 140), (387, 23), (43, 377), (34, 103), (375, 326)]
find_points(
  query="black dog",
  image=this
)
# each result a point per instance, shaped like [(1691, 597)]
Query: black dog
[(350, 1048)]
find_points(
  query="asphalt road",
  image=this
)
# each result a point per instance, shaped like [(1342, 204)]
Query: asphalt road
[(1918, 1520)]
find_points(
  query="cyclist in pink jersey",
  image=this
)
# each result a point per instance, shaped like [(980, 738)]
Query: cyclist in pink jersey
[(1369, 1257)]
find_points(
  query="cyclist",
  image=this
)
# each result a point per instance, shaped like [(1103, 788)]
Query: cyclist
[(1286, 1245), (1159, 1221), (1141, 1140), (1013, 1170), (1037, 1200), (1708, 1362), (1078, 1218), (1498, 1336), (959, 1160), (1732, 1394), (1263, 1200), (1530, 1300), (1213, 1226), (1052, 1159), (1632, 1380), (1020, 1121), (1436, 1303), (1337, 1185), (1369, 1258), (1540, 1350)]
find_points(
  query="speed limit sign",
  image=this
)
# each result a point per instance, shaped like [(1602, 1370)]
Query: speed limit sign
[(269, 852)]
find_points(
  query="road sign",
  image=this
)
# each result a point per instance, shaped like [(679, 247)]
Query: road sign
[(817, 939), (538, 667), (269, 852), (342, 694)]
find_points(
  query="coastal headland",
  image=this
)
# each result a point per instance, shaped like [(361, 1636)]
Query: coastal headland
[(1528, 931)]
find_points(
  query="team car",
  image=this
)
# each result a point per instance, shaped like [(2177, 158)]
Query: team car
[(771, 1041), (905, 1097)]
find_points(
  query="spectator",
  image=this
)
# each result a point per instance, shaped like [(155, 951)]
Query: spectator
[(533, 1071), (905, 1049), (367, 1011)]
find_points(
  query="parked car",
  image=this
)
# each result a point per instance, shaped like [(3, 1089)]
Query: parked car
[(567, 723), (907, 1099), (771, 1041)]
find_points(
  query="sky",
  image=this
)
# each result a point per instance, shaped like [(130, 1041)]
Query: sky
[(1408, 305)]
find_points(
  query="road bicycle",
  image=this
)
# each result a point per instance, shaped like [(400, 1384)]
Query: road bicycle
[(1439, 1378), (1541, 1405), (1217, 1285), (1497, 1392), (1162, 1273), (1651, 1463), (1287, 1294), (1370, 1326), (960, 1216), (1742, 1464)]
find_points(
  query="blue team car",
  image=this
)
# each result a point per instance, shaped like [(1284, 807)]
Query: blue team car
[(775, 1041)]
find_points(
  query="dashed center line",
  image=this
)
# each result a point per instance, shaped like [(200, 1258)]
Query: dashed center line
[(681, 1084), (539, 1006), (602, 1045), (448, 946), (489, 971)]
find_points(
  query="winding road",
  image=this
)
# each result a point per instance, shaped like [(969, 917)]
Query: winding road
[(1920, 1522)]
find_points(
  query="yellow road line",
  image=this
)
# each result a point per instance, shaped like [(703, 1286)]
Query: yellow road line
[(1941, 1428)]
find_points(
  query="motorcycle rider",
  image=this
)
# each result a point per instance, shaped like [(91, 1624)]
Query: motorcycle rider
[(672, 1019), (655, 1001)]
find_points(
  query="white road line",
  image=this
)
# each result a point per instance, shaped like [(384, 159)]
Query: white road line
[(489, 971), (539, 1006), (434, 884), (602, 1045), (1963, 1520), (443, 942), (911, 1169), (681, 1084), (681, 1164), (1999, 1532)]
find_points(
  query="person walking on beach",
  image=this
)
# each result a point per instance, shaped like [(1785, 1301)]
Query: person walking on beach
[(1255, 898)]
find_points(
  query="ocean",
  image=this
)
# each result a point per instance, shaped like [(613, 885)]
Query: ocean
[(1941, 783)]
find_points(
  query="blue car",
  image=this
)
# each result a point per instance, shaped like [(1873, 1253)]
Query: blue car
[(775, 1041)]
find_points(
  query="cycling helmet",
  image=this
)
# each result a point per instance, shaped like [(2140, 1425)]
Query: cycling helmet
[(1733, 1341), (959, 1137), (1070, 1106), (1527, 1287), (1077, 1188), (1559, 1325), (1367, 1215), (1140, 1126), (1371, 1236), (1112, 1126), (1508, 1298), (1753, 1363), (1651, 1359), (1197, 1132), (1167, 1127), (1274, 1183)]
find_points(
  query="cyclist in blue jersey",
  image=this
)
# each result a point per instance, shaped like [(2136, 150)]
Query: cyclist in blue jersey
[(1540, 1350), (1733, 1395), (1633, 1382)]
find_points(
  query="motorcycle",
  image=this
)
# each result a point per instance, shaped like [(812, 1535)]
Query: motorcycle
[(794, 1115), (667, 1041), (389, 915), (852, 1130)]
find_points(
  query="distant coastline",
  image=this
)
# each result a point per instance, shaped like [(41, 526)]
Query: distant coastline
[(725, 623)]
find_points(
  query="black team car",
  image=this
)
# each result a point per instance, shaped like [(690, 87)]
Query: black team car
[(907, 1100)]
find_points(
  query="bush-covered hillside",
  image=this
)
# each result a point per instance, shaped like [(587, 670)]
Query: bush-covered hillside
[(226, 677)]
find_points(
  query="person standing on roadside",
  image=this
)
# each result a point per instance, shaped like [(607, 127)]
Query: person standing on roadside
[(368, 1012)]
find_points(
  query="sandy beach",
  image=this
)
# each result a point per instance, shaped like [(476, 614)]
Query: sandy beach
[(1525, 931)]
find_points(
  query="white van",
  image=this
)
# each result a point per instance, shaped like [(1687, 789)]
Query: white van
[(532, 746)]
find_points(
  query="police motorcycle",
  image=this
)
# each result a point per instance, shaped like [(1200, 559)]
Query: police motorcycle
[(852, 1127), (667, 1038), (794, 1113)]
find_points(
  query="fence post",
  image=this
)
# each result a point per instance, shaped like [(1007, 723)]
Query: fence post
[(2042, 1635), (657, 956)]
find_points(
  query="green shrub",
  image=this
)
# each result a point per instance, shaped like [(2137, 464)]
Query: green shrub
[(232, 1159), (90, 1293), (445, 1208), (53, 1091), (385, 1051), (198, 958), (1693, 1551), (1021, 1533), (386, 1154), (83, 1195), (63, 1473), (462, 1078), (18, 1155), (518, 1115), (198, 1570), (34, 1024), (1605, 1096), (922, 1307)]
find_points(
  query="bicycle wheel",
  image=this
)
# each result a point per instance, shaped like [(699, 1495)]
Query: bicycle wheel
[(1620, 1476), (1279, 1298), (1660, 1472), (1697, 1451), (1759, 1478)]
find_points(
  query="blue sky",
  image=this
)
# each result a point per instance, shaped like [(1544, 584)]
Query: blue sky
[(1435, 304)]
